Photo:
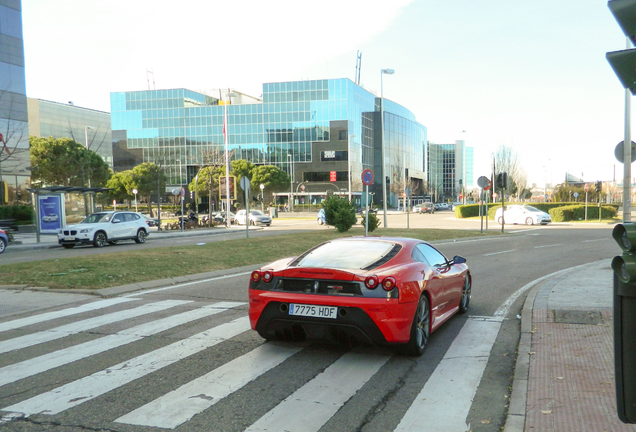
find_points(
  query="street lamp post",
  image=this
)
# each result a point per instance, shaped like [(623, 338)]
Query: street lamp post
[(388, 72), (349, 163), (290, 157), (90, 197), (227, 160), (180, 193)]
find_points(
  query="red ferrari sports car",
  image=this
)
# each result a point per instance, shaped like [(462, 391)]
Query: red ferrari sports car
[(360, 290)]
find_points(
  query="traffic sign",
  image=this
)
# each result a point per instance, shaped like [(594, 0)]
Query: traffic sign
[(367, 177), (619, 151), (182, 192), (302, 188), (586, 187), (245, 183), (494, 195), (576, 194)]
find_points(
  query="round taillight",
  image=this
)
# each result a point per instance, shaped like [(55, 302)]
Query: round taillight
[(268, 276), (388, 283), (256, 276), (371, 282)]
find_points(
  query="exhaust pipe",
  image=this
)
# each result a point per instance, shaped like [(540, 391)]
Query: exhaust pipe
[(343, 312), (284, 307)]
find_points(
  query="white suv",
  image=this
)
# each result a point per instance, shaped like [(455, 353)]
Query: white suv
[(101, 228)]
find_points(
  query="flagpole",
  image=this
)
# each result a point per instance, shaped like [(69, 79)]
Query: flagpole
[(227, 170)]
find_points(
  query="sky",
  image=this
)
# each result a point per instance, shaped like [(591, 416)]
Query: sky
[(530, 75)]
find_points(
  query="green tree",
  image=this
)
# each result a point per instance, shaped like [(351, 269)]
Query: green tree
[(121, 185), (64, 162), (148, 178), (339, 212), (272, 177)]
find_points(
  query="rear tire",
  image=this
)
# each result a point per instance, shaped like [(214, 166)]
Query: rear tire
[(141, 236), (500, 220), (3, 245), (464, 301), (529, 221), (420, 328)]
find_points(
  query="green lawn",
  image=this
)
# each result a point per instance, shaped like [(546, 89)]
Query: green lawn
[(121, 268)]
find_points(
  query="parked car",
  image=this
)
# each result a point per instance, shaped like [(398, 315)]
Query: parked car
[(426, 207), (321, 218), (366, 290), (519, 214), (4, 240), (152, 222), (360, 210), (454, 204), (256, 217), (103, 228)]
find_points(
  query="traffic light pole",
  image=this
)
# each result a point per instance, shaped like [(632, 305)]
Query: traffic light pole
[(627, 157)]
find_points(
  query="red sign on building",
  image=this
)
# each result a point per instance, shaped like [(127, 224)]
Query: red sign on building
[(332, 176)]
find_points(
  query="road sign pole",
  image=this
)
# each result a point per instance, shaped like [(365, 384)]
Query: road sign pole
[(366, 225)]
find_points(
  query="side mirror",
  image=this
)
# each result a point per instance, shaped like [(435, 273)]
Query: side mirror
[(458, 260)]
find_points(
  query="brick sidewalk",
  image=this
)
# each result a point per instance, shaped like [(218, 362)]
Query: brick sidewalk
[(571, 380)]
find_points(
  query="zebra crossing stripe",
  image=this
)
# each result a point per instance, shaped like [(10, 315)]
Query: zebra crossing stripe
[(99, 383), (35, 319), (444, 402), (27, 368), (312, 405), (87, 324), (180, 405)]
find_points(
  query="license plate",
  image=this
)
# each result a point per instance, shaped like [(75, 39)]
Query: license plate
[(313, 311), (69, 238)]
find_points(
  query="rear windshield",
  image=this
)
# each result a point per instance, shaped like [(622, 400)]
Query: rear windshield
[(350, 254)]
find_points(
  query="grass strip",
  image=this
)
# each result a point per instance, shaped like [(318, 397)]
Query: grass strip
[(122, 268)]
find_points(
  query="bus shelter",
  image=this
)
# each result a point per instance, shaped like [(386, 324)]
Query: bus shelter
[(54, 205)]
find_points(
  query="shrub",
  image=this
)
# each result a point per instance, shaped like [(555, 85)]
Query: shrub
[(374, 222), (21, 213), (339, 212)]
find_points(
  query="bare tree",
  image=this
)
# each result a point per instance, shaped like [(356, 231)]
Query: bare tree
[(14, 148), (507, 160)]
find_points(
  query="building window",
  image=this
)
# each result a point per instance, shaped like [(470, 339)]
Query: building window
[(324, 176), (332, 155), (342, 135)]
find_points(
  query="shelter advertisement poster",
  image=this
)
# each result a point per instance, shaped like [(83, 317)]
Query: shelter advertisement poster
[(50, 213)]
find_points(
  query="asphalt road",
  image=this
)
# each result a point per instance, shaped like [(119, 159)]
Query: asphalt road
[(390, 388)]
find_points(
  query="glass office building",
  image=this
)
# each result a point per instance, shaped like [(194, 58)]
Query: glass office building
[(14, 144), (323, 132), (450, 169), (86, 126)]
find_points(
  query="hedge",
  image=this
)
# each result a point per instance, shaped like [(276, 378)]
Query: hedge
[(609, 210), (577, 212)]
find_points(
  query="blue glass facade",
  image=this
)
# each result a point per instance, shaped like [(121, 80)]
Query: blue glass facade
[(322, 125), (14, 146), (450, 169)]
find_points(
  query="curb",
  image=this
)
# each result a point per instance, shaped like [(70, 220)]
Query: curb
[(20, 246), (516, 419)]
